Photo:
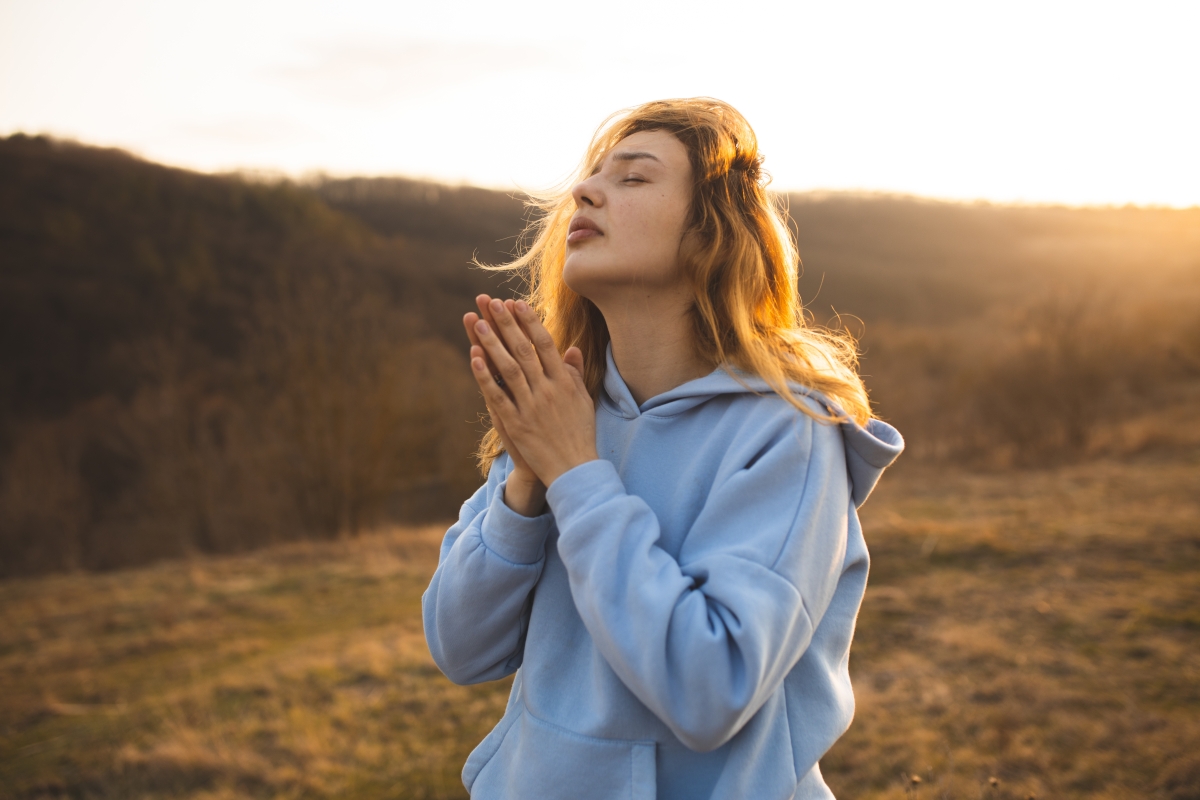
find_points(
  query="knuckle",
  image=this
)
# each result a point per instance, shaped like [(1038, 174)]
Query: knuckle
[(510, 370)]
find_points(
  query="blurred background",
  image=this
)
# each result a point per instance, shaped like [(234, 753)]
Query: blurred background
[(236, 415)]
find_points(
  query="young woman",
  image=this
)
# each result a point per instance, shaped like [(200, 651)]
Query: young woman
[(666, 550)]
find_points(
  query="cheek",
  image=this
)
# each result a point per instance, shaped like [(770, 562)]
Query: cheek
[(654, 232), (643, 245)]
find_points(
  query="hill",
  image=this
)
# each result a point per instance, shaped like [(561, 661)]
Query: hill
[(883, 258), (210, 363), (186, 356), (101, 248), (913, 261)]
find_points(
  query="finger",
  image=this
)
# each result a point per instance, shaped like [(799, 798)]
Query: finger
[(485, 309), (511, 305), (524, 315), (517, 342), (469, 320), (506, 366), (484, 302), (496, 398), (541, 340), (485, 313), (477, 351)]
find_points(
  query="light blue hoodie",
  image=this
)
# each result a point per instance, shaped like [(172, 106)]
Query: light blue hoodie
[(680, 619)]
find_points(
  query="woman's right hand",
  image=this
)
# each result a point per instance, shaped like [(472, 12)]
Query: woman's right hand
[(524, 492)]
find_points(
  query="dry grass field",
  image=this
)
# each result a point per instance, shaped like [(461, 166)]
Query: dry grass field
[(1024, 634)]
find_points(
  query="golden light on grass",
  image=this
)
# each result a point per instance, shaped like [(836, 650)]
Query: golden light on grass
[(302, 671)]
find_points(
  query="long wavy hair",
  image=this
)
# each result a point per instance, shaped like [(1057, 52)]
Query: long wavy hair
[(737, 252)]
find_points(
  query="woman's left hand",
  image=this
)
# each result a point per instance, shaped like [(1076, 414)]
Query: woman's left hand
[(547, 411)]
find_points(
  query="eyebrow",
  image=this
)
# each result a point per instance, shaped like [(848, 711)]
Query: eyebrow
[(634, 155)]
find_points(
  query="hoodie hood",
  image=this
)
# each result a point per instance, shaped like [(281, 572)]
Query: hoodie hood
[(870, 449)]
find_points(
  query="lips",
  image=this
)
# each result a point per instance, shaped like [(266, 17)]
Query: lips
[(582, 228)]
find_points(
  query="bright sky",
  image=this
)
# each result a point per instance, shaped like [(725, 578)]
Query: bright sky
[(1076, 102)]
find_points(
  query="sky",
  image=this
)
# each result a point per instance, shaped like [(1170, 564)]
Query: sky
[(1040, 102)]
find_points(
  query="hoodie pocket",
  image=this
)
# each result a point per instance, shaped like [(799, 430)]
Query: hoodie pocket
[(536, 759)]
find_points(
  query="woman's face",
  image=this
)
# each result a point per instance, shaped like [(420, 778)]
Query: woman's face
[(629, 217)]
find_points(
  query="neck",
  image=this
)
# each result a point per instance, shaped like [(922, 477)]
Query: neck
[(652, 340)]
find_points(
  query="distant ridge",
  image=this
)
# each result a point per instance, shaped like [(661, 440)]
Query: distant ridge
[(194, 362)]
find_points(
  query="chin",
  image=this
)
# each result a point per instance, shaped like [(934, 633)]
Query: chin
[(596, 275), (583, 278)]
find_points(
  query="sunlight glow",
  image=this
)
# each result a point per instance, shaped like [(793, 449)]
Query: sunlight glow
[(1082, 103)]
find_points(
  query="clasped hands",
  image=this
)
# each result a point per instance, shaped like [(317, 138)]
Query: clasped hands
[(540, 405)]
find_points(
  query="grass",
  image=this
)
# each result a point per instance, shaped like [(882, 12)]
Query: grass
[(297, 672), (1029, 634), (1023, 633)]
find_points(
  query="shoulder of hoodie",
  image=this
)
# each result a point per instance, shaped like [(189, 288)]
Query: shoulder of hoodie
[(785, 457), (759, 398), (768, 420)]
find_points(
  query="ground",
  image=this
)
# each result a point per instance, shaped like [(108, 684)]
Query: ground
[(1023, 633)]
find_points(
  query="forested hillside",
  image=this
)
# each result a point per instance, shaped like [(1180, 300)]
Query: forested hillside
[(209, 363), (193, 362), (913, 261)]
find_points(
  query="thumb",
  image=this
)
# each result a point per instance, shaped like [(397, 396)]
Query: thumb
[(573, 358)]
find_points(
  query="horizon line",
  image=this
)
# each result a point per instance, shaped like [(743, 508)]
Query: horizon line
[(316, 175)]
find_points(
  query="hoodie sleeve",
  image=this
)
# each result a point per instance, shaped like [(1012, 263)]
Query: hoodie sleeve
[(476, 609), (704, 640)]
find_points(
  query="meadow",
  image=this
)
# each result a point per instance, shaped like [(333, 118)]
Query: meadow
[(1025, 633)]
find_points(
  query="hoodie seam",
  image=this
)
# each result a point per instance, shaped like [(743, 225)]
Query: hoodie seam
[(808, 393), (808, 474), (484, 545), (652, 415), (611, 413)]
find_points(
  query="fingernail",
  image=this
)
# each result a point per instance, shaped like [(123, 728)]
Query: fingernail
[(477, 363), (497, 305), (521, 306), (482, 327)]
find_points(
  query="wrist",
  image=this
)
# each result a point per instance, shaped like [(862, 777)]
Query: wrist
[(526, 495), (567, 466)]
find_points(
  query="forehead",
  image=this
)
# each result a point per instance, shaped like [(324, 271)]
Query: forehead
[(650, 146)]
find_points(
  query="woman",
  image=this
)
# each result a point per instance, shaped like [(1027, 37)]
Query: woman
[(666, 550)]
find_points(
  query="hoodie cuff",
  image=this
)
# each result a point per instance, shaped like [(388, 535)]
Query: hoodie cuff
[(580, 489), (512, 536)]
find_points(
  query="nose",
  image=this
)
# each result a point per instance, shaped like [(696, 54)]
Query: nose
[(588, 192)]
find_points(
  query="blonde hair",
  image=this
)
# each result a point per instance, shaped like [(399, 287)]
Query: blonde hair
[(737, 253)]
